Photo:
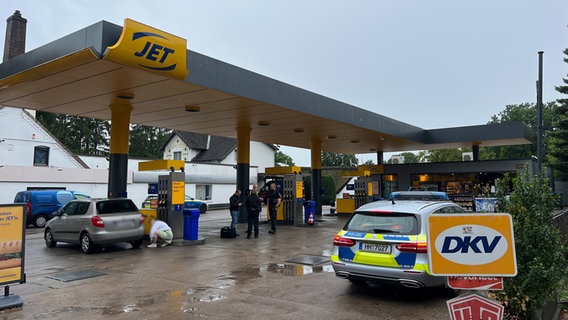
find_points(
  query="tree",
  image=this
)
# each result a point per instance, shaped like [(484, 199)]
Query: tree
[(409, 157), (146, 142), (281, 158), (442, 155), (527, 113), (558, 157), (330, 159), (78, 134), (542, 265)]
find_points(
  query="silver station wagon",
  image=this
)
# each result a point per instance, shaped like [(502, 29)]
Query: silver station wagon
[(94, 222)]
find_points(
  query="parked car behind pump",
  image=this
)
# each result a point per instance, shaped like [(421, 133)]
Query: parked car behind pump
[(93, 222), (41, 205), (151, 202), (386, 241), (419, 195)]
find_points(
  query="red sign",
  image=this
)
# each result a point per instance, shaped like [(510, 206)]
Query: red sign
[(475, 307), (475, 282)]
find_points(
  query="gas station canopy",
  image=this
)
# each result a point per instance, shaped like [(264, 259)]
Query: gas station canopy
[(74, 75)]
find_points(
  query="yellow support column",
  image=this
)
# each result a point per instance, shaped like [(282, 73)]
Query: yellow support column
[(118, 159)]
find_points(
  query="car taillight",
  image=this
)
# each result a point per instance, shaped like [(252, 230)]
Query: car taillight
[(97, 222), (343, 242), (417, 247), (28, 209), (142, 218)]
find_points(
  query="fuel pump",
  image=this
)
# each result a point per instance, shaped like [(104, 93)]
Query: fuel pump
[(363, 191), (171, 199), (366, 187), (290, 185), (171, 194)]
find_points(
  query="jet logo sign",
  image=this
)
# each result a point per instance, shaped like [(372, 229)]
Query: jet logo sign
[(471, 244), (150, 49)]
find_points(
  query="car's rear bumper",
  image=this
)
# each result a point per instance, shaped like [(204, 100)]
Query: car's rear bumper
[(405, 277), (107, 237)]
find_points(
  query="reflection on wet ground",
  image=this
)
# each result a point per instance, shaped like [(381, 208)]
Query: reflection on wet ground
[(186, 301), (296, 270)]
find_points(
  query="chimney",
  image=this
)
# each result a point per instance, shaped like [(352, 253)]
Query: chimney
[(15, 42)]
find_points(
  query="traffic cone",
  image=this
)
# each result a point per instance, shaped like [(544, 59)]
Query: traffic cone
[(311, 218)]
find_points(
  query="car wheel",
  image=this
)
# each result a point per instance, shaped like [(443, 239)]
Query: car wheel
[(202, 208), (40, 221), (136, 243), (87, 245), (49, 240)]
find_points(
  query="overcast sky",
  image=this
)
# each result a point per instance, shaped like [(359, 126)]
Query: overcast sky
[(432, 64)]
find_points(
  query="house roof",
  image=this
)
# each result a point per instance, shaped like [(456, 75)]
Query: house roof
[(213, 148)]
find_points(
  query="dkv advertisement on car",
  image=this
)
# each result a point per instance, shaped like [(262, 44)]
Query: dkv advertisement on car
[(471, 245), (12, 224)]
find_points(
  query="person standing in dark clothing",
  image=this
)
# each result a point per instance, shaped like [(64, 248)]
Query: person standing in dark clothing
[(253, 203), (234, 205), (274, 200)]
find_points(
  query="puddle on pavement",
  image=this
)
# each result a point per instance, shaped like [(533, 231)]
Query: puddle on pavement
[(288, 269), (296, 270), (187, 300), (131, 307)]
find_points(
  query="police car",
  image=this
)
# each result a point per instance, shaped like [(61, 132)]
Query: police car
[(386, 241)]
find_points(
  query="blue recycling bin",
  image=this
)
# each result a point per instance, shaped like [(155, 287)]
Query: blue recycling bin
[(309, 207), (190, 224)]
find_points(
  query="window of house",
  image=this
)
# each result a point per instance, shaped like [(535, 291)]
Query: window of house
[(41, 156), (177, 155), (203, 192)]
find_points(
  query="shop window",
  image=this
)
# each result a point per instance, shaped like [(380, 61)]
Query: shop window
[(41, 156)]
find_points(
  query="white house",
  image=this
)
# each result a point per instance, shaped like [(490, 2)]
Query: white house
[(31, 157)]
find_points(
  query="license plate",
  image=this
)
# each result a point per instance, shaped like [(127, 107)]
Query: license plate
[(376, 247), (122, 224)]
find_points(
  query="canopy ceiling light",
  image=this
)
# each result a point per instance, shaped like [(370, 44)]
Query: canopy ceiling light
[(192, 108), (125, 95)]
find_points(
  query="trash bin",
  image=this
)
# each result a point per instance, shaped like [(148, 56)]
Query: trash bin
[(309, 207), (190, 224)]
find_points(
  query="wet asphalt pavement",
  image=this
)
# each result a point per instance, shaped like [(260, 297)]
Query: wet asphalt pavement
[(219, 279)]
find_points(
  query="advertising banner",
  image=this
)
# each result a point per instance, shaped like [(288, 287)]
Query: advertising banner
[(12, 224)]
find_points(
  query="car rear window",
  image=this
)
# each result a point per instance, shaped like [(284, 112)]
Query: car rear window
[(383, 223), (116, 206)]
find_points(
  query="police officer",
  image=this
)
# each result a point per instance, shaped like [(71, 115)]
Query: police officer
[(274, 200)]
